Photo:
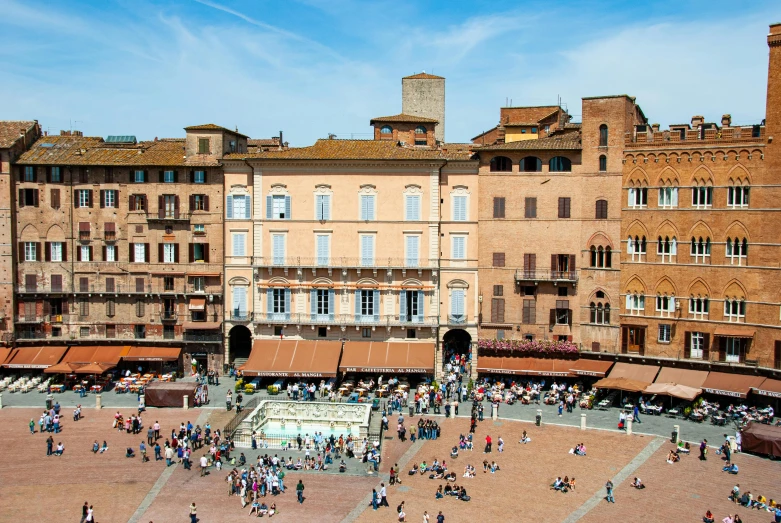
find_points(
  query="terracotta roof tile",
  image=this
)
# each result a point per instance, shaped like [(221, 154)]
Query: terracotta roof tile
[(72, 150), (424, 76), (403, 118), (10, 131), (570, 141), (212, 127), (355, 150)]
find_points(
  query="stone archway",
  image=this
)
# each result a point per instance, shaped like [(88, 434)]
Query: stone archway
[(456, 341), (239, 343)]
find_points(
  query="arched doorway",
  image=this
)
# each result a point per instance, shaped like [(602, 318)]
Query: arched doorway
[(239, 343), (456, 341)]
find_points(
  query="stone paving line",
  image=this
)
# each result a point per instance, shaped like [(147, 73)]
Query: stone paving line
[(161, 481), (624, 473), (364, 503)]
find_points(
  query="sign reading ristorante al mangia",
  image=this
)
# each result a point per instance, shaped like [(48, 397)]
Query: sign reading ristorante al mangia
[(283, 374)]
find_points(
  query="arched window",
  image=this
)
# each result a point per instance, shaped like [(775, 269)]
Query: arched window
[(386, 129), (737, 251), (734, 309), (699, 307), (635, 304), (608, 257), (600, 314), (560, 164), (601, 257), (737, 196), (602, 163), (667, 248), (603, 135), (501, 164), (420, 130), (531, 164), (601, 210), (700, 250)]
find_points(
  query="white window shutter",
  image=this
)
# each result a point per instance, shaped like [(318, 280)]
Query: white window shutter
[(630, 246), (403, 304), (331, 304), (376, 301), (229, 207), (269, 207), (327, 207), (628, 302), (288, 208), (269, 300), (674, 202), (631, 200), (421, 299), (358, 305), (313, 303)]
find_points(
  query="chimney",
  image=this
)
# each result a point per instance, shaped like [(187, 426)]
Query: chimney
[(726, 120), (697, 121), (655, 127), (500, 133)]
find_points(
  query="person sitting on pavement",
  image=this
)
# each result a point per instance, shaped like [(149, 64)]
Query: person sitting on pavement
[(708, 517), (494, 467), (129, 453), (732, 469), (524, 438), (438, 494), (638, 484), (95, 447), (673, 457), (454, 452), (557, 485)]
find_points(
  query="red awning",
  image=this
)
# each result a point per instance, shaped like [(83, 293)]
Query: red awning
[(583, 367), (769, 387), (153, 354), (733, 385), (35, 357), (290, 358), (524, 366), (734, 332), (388, 357)]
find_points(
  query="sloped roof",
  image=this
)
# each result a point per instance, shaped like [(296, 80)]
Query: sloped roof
[(404, 118), (325, 149), (423, 76), (567, 141), (213, 127), (10, 131), (77, 150)]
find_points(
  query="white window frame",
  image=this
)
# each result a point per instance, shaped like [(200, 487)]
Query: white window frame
[(56, 174), (138, 176), (29, 173), (667, 249), (735, 252), (636, 248), (30, 252), (368, 308), (199, 228), (168, 177), (110, 198), (696, 345), (111, 253), (734, 310), (55, 251), (278, 301), (699, 307), (635, 304), (412, 212), (453, 253), (702, 196), (738, 196), (83, 197), (139, 253), (732, 350), (244, 215), (665, 305), (637, 197), (199, 177), (322, 297), (85, 253), (668, 197), (169, 252), (700, 252), (664, 333)]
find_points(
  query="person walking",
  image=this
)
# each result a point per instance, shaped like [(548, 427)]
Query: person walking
[(193, 513), (32, 426), (636, 415), (142, 449), (703, 449), (383, 496), (609, 489), (84, 512), (487, 444), (204, 465), (374, 499), (440, 517), (90, 515), (49, 445), (300, 491)]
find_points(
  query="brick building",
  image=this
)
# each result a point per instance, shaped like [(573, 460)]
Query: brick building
[(120, 243), (699, 270)]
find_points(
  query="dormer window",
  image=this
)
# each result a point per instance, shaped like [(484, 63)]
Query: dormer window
[(420, 130), (386, 129), (232, 144)]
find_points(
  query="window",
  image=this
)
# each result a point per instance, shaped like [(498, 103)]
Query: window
[(323, 249), (239, 306), (367, 250), (83, 284), (666, 248), (199, 202), (278, 249), (138, 202), (700, 250), (366, 332), (529, 312), (110, 253), (55, 174), (420, 130), (531, 164), (412, 255), (199, 177), (56, 251), (169, 253), (734, 310), (200, 252), (737, 251), (55, 198), (30, 251), (501, 164), (238, 206), (386, 129), (636, 247), (278, 331), (530, 208), (239, 240), (459, 208), (28, 197), (696, 345), (562, 313), (737, 197), (668, 197), (203, 146), (498, 260), (85, 253), (168, 177), (199, 228), (83, 306), (498, 290), (322, 332), (635, 304), (140, 285), (601, 210), (734, 349), (601, 257), (702, 197), (564, 207), (665, 305), (499, 207), (322, 207), (83, 332), (110, 285), (109, 199), (603, 135), (140, 307), (638, 197), (497, 310), (459, 247), (199, 284), (367, 207), (111, 306), (664, 333), (168, 283), (367, 305), (457, 307), (698, 308), (139, 331), (600, 314), (29, 174), (412, 207), (323, 304), (412, 333), (560, 164), (411, 306), (139, 176), (139, 252), (602, 163)]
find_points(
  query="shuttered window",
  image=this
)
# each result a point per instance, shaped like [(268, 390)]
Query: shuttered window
[(55, 198), (239, 306), (497, 310), (564, 207), (412, 250), (412, 207), (239, 244), (323, 207), (457, 303), (498, 290), (110, 307), (459, 247), (323, 249), (140, 308), (498, 259), (459, 208), (529, 312), (499, 207), (367, 207), (601, 210), (530, 208), (367, 250), (83, 306), (278, 249)]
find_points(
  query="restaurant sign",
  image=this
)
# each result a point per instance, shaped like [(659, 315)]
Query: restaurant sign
[(770, 393), (271, 374), (729, 393), (589, 373), (25, 366), (390, 370)]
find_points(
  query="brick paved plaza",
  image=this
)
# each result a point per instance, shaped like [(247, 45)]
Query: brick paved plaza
[(37, 487)]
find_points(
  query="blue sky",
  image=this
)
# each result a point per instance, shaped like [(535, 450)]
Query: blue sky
[(313, 67)]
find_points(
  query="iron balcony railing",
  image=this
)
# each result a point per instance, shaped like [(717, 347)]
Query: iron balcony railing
[(345, 319), (545, 275), (344, 262)]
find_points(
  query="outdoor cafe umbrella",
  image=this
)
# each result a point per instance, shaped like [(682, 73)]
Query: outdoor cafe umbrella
[(62, 368), (95, 368)]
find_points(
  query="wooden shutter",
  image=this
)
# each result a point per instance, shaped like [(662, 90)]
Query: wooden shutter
[(499, 207), (624, 339), (89, 198), (21, 252), (132, 252), (78, 254), (38, 256), (534, 208), (161, 206), (777, 355), (498, 260), (109, 284), (161, 176), (494, 310), (722, 348), (55, 198), (176, 206), (47, 251), (132, 202), (594, 346), (554, 262), (91, 257), (176, 176), (551, 318), (205, 202), (21, 197), (102, 198), (498, 290), (525, 316), (641, 341), (572, 263), (192, 202), (35, 197), (500, 313), (56, 282), (146, 252), (687, 345), (191, 253), (160, 253), (139, 284), (176, 253), (206, 258), (103, 253), (64, 251), (561, 207)]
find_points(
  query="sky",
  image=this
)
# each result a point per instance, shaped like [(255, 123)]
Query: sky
[(313, 67)]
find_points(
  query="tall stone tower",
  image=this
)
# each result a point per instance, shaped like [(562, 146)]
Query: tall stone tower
[(424, 95)]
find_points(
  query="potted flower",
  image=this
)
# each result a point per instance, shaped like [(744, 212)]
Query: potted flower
[(273, 390), (238, 386), (249, 389)]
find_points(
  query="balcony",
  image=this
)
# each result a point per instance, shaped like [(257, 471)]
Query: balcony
[(31, 335), (240, 316), (345, 319), (546, 275), (24, 318), (110, 236), (169, 315), (456, 319), (202, 338), (164, 215), (345, 263)]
